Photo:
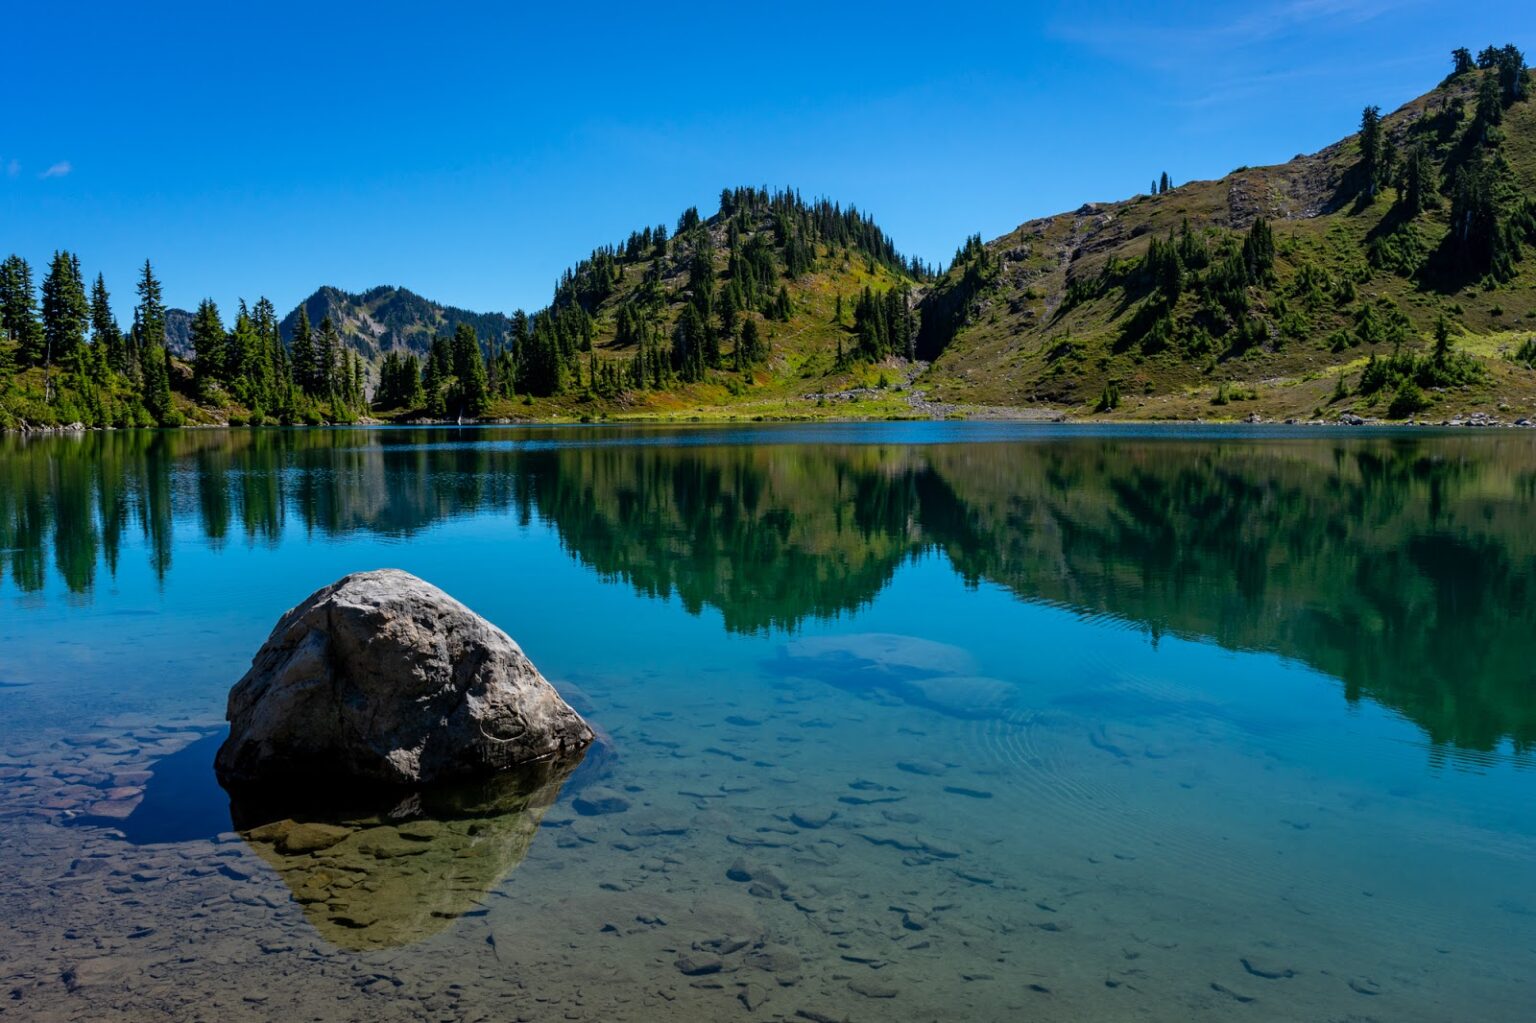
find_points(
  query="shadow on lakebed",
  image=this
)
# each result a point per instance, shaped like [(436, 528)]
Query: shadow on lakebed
[(372, 874), (371, 868)]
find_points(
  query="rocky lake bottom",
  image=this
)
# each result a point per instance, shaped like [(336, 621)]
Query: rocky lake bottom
[(937, 803)]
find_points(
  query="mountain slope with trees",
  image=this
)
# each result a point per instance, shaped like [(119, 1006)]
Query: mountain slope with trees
[(766, 300), (1390, 274)]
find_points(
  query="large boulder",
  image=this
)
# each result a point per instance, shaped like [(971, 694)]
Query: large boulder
[(384, 678)]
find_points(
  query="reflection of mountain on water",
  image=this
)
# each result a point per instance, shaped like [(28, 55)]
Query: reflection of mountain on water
[(369, 879), (1404, 566)]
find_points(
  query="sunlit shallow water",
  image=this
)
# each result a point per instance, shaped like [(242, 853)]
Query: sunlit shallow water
[(921, 722)]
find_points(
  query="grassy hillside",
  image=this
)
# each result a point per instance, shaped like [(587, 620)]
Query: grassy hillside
[(1153, 307), (783, 265)]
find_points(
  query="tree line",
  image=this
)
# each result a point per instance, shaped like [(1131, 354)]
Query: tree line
[(64, 357)]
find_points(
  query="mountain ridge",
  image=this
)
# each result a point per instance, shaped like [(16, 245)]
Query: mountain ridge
[(1063, 311)]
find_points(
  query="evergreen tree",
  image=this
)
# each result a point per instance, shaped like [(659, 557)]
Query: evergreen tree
[(729, 312), (1370, 151), (1259, 251), (1461, 61), (149, 314), (18, 309), (473, 391), (243, 360), (751, 346), (1490, 110), (781, 307), (1420, 185), (1442, 352), (269, 369), (301, 349), (156, 362), (208, 344), (688, 340), (149, 347), (1512, 73), (66, 315), (328, 365), (105, 333)]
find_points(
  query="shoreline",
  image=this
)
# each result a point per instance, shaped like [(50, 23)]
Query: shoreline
[(1479, 420)]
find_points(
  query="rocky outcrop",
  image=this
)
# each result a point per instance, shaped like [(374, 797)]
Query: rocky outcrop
[(384, 678)]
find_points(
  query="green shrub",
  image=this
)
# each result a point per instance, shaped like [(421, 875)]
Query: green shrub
[(1408, 400), (1526, 356)]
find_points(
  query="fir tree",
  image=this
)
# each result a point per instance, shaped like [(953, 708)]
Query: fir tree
[(1442, 352), (473, 390), (66, 316), (688, 340), (243, 360), (149, 347), (729, 312), (18, 307), (1370, 151), (105, 333), (156, 363), (301, 349), (328, 364), (208, 344), (1420, 185), (751, 346), (1259, 251), (781, 307), (149, 314), (1490, 110)]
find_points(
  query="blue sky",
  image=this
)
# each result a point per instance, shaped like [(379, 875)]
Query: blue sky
[(472, 151)]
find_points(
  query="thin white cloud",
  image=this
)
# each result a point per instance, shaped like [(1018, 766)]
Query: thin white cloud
[(58, 170), (13, 168), (1158, 45)]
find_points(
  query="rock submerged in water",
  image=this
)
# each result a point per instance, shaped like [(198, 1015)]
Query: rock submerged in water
[(383, 678)]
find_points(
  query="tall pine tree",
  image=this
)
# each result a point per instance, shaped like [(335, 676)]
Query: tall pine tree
[(301, 349), (18, 307), (106, 335), (208, 344), (66, 316)]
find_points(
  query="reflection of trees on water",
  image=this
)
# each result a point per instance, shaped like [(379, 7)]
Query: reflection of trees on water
[(1406, 567)]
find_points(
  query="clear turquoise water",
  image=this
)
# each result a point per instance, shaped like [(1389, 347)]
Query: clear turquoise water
[(995, 721)]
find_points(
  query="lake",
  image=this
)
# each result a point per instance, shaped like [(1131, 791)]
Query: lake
[(901, 722)]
